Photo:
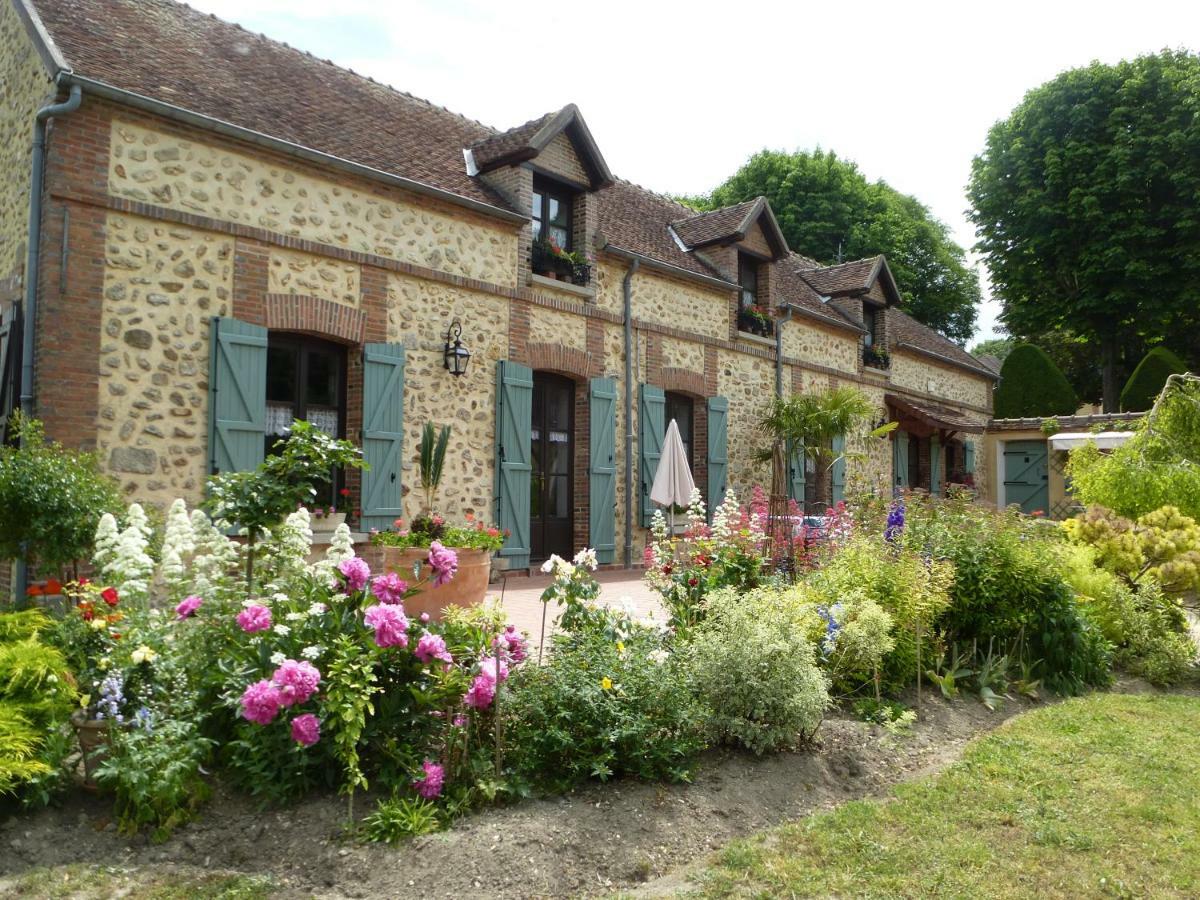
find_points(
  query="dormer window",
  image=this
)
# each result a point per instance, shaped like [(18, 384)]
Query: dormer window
[(552, 219), (748, 279), (871, 323)]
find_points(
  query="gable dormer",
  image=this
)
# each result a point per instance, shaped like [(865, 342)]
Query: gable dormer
[(862, 291), (549, 168)]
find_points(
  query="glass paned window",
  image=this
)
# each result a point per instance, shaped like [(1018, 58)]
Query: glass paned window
[(681, 408), (748, 279), (870, 321), (551, 214)]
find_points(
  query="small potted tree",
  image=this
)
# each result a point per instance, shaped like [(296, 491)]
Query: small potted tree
[(406, 550)]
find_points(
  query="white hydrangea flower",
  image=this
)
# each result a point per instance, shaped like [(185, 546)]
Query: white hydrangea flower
[(278, 658), (311, 652), (296, 616), (282, 630)]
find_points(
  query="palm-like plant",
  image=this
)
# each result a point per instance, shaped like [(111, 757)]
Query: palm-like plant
[(433, 459), (812, 421)]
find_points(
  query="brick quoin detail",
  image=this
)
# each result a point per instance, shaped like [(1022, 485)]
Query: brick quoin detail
[(317, 316)]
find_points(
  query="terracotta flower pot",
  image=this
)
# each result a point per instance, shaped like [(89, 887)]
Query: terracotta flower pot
[(467, 588)]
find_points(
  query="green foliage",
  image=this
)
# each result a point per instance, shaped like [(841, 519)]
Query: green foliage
[(35, 675), (20, 745), (153, 771), (22, 624), (997, 347), (432, 461), (259, 500), (477, 537), (399, 818), (51, 499), (348, 703), (1163, 545), (1148, 379), (755, 672), (828, 210), (1032, 385), (1084, 202), (600, 708)]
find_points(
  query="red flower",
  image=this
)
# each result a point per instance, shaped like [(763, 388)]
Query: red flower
[(492, 532), (345, 492), (115, 635), (693, 581), (53, 586), (34, 590), (470, 517), (399, 523), (85, 581), (109, 596), (85, 610)]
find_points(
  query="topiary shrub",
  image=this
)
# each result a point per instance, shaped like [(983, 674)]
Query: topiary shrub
[(1141, 390), (1032, 385)]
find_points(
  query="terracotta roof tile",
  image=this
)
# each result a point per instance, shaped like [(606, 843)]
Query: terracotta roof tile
[(908, 332), (844, 278), (512, 145), (709, 227)]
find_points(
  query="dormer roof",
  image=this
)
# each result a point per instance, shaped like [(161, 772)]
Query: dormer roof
[(731, 224), (525, 142), (856, 279)]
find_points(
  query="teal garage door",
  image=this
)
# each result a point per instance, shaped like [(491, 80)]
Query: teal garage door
[(1025, 475)]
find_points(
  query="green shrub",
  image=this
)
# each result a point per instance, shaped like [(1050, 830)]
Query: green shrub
[(20, 746), (600, 708), (1032, 385), (1148, 379), (755, 671), (396, 819)]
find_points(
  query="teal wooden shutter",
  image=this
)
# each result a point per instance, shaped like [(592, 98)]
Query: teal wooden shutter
[(10, 365), (969, 457), (796, 477), (382, 435), (718, 452), (652, 428), (514, 469), (900, 458), (602, 468), (237, 395), (838, 473), (935, 465)]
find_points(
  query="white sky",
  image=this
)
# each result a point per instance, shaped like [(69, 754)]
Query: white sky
[(678, 95)]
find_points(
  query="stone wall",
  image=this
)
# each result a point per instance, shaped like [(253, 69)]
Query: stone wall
[(665, 301), (162, 284), (24, 85), (419, 312), (810, 343), (748, 382), (550, 326), (949, 383), (683, 355), (293, 272), (205, 179)]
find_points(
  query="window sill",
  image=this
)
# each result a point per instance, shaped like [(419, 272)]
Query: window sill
[(756, 338), (588, 291)]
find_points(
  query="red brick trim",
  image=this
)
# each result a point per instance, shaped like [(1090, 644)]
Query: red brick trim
[(564, 360), (683, 381), (316, 315)]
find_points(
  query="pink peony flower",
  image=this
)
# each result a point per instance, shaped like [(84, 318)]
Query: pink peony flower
[(254, 618), (444, 563), (187, 607), (424, 618), (356, 572), (430, 786), (389, 588), (481, 692), (460, 721), (306, 730), (296, 681), (513, 643), (261, 702), (390, 624), (487, 669), (431, 647)]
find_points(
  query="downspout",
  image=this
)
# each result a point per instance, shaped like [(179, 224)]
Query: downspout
[(627, 290), (786, 317), (32, 262)]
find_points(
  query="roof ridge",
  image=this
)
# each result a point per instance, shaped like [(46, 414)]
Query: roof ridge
[(383, 84)]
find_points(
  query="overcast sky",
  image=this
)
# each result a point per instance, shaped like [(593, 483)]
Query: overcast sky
[(678, 95)]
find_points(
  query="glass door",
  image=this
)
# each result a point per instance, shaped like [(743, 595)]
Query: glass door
[(552, 454)]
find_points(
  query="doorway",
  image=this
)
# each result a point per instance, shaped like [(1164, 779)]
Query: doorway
[(1026, 479), (552, 453)]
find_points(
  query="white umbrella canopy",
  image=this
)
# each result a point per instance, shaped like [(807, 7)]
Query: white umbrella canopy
[(673, 482)]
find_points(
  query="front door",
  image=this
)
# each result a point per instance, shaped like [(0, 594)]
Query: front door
[(1025, 475), (552, 454)]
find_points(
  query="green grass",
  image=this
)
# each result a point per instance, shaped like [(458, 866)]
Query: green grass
[(1093, 797), (82, 882)]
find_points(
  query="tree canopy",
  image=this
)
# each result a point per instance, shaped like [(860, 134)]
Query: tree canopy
[(830, 212), (997, 347), (1143, 386), (1085, 204), (1032, 385)]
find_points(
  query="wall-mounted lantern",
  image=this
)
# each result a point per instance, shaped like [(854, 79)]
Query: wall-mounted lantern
[(456, 356)]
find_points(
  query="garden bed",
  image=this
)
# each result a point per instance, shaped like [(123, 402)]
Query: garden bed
[(594, 841)]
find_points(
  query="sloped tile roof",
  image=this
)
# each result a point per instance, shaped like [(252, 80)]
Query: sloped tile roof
[(512, 145), (844, 278), (933, 414), (174, 54), (908, 332), (708, 227)]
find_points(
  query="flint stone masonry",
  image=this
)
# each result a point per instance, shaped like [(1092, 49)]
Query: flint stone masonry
[(748, 383), (418, 313), (23, 85), (810, 343), (552, 327), (293, 272), (189, 176), (162, 284), (665, 301)]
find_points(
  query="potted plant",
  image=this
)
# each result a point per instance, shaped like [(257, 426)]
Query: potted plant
[(754, 319), (406, 551), (876, 357), (326, 519)]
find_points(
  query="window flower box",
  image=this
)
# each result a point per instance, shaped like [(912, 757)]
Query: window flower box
[(551, 261), (876, 358), (754, 320)]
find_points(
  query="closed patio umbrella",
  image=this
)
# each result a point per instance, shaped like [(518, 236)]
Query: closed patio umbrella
[(673, 483)]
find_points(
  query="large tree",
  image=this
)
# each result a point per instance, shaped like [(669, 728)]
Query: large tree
[(1086, 201), (830, 212)]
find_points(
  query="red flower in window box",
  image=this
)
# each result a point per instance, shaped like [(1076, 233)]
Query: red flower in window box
[(345, 492), (34, 590), (53, 586)]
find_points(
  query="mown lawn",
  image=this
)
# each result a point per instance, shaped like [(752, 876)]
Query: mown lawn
[(1093, 797)]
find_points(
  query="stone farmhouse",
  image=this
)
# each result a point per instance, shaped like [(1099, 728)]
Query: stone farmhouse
[(229, 233)]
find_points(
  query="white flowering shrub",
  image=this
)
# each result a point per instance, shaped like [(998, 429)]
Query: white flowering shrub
[(215, 558), (340, 549), (286, 549), (127, 563), (179, 544), (754, 669), (107, 532)]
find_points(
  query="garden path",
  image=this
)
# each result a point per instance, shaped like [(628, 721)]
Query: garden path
[(522, 598)]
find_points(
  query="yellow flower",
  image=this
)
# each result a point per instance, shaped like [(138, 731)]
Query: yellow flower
[(143, 654), (98, 624), (606, 683), (84, 700), (621, 647)]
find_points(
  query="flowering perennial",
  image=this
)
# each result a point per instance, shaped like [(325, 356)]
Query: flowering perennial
[(306, 730), (261, 702), (444, 563), (355, 571), (254, 618), (389, 588), (296, 681), (431, 647), (187, 607), (390, 624), (430, 785)]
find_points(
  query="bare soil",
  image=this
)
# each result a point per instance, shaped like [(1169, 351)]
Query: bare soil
[(596, 840)]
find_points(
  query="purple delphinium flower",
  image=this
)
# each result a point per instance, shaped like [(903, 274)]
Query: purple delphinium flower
[(895, 522)]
